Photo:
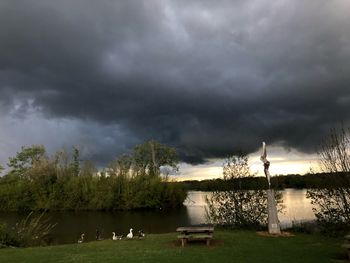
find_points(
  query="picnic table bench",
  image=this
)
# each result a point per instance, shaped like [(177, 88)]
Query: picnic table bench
[(204, 233)]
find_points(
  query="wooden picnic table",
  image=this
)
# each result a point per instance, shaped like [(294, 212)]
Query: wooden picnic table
[(195, 233)]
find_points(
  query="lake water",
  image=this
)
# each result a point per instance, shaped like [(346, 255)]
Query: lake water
[(71, 224), (296, 207)]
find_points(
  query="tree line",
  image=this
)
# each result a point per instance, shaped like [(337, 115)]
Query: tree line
[(35, 181), (307, 181)]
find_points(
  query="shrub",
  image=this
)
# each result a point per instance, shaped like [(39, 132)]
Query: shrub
[(332, 204), (238, 208), (33, 230)]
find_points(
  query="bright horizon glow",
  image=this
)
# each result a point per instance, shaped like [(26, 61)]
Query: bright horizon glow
[(283, 162)]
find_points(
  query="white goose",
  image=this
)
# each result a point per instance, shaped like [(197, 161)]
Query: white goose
[(81, 239), (130, 235), (115, 237)]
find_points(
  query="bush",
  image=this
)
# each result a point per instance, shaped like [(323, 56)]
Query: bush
[(37, 182), (6, 239), (332, 204), (33, 230), (238, 208)]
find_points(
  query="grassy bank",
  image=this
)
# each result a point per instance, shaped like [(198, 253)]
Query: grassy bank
[(232, 246)]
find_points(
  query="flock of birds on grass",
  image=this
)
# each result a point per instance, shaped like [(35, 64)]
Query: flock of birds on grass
[(140, 235)]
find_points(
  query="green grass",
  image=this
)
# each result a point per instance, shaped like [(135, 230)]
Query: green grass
[(229, 246)]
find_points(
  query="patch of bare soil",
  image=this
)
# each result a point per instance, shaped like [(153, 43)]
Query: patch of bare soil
[(213, 243), (267, 234)]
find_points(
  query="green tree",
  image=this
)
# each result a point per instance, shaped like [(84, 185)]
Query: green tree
[(151, 155), (121, 166), (25, 159), (47, 183)]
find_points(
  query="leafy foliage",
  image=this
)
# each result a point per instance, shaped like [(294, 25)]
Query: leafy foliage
[(237, 208), (150, 156), (6, 239), (331, 205), (25, 159), (75, 166), (37, 182)]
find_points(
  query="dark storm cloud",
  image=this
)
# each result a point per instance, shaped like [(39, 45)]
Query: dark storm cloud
[(208, 77)]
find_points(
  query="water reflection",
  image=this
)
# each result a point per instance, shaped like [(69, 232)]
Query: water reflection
[(72, 224), (196, 206), (297, 207)]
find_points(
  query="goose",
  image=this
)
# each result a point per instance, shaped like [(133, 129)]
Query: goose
[(81, 239), (98, 235), (141, 234), (115, 237), (130, 235)]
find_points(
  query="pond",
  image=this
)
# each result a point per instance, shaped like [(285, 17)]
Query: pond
[(71, 224)]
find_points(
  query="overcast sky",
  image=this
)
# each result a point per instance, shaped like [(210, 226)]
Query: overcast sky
[(207, 77)]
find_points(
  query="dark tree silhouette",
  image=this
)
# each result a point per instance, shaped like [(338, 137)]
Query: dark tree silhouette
[(332, 204), (237, 208)]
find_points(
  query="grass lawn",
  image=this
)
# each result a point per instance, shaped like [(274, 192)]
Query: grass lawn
[(229, 246)]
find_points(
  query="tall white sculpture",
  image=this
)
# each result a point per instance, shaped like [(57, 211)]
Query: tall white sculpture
[(273, 222), (266, 163)]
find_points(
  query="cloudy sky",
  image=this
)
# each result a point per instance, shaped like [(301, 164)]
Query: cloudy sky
[(206, 77)]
